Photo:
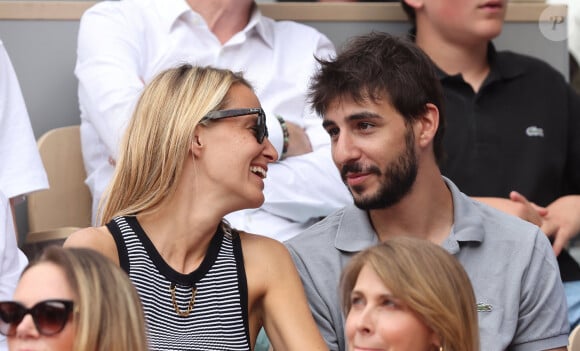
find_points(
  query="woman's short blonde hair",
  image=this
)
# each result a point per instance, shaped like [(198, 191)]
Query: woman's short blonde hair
[(426, 279), (159, 136), (108, 312)]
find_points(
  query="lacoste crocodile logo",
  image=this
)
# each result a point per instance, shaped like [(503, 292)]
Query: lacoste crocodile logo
[(533, 131)]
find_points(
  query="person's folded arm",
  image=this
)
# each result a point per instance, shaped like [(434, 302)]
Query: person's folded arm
[(12, 260), (304, 187), (107, 67)]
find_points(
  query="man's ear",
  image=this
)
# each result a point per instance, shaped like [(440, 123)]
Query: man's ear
[(427, 125)]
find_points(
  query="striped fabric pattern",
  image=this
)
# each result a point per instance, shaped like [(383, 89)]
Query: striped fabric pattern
[(218, 320)]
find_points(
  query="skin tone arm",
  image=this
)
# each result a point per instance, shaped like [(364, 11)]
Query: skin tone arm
[(560, 220), (98, 239), (276, 297), (516, 205), (298, 142)]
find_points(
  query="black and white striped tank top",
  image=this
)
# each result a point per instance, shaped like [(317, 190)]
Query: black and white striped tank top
[(219, 318)]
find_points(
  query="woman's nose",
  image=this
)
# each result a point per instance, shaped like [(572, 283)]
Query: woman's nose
[(269, 151), (365, 321), (26, 328)]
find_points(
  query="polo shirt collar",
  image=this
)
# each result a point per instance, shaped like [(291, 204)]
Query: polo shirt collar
[(468, 223), (171, 10), (356, 233), (261, 26), (500, 68)]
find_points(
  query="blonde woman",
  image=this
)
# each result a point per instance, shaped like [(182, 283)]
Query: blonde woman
[(408, 294), (70, 300), (195, 150)]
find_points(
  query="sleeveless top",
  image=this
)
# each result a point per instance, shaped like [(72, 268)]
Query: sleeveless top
[(219, 318)]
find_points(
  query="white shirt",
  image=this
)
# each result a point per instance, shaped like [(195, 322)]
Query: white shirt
[(12, 260), (123, 45), (21, 169)]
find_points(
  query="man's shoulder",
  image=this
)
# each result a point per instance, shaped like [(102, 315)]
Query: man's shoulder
[(320, 233), (292, 27), (529, 65), (501, 226), (292, 33)]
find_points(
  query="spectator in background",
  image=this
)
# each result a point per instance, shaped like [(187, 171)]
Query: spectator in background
[(77, 300), (21, 170), (408, 294), (513, 124), (196, 149), (381, 100), (122, 45), (12, 260)]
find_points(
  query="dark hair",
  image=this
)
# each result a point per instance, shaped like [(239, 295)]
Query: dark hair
[(410, 12), (379, 65)]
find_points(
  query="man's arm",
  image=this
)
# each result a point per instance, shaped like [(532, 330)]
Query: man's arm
[(319, 308), (107, 68), (562, 222), (12, 260), (543, 317), (517, 205), (308, 185)]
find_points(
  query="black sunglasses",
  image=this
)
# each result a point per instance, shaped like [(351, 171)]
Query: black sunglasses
[(49, 316), (261, 130)]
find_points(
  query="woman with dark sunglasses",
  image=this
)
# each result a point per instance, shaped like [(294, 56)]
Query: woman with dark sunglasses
[(73, 300), (195, 150)]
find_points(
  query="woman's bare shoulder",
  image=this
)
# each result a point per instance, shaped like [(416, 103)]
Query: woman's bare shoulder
[(96, 238), (260, 244), (263, 253)]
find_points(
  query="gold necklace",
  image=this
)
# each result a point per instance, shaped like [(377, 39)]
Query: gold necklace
[(191, 301)]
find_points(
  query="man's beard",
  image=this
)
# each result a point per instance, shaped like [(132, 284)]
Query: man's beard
[(398, 178)]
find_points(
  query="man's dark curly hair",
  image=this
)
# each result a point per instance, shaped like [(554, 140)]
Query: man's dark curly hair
[(380, 66)]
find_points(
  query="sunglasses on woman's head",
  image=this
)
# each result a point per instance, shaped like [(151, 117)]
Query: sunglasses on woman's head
[(49, 316), (261, 130)]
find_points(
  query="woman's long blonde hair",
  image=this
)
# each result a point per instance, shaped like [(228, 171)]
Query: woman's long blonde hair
[(108, 312), (159, 136), (429, 281)]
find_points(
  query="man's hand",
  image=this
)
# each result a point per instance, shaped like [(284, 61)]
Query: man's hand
[(298, 142), (562, 221), (517, 205), (526, 209)]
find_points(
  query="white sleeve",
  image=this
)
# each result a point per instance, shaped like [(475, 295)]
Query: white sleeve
[(307, 186), (107, 67), (21, 169), (12, 260)]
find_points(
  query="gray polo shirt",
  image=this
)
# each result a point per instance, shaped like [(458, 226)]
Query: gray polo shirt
[(510, 263)]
